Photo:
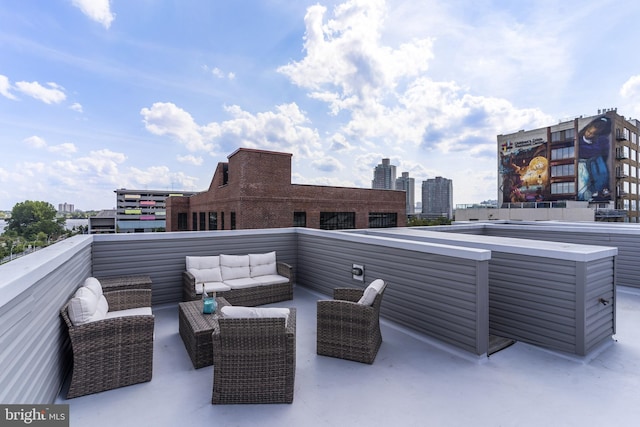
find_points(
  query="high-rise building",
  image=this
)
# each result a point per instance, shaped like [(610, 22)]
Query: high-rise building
[(384, 176), (408, 185), (66, 208), (589, 159), (437, 198)]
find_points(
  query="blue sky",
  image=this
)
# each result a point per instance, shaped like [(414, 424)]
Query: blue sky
[(151, 94)]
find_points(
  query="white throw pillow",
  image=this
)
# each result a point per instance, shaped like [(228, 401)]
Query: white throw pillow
[(238, 312), (263, 264), (200, 262), (94, 285), (234, 266), (371, 291), (84, 306)]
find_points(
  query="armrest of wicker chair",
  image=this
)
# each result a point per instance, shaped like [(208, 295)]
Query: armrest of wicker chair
[(285, 270), (130, 298), (189, 287)]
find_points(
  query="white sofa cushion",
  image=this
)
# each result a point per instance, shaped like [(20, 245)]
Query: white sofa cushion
[(140, 311), (201, 262), (242, 283), (234, 267), (371, 291), (86, 306), (94, 285), (271, 279), (203, 275), (238, 312), (212, 287), (263, 264)]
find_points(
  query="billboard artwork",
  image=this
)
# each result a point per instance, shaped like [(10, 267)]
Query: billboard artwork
[(525, 171), (594, 141)]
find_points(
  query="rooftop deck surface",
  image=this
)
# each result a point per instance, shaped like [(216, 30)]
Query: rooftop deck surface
[(414, 381)]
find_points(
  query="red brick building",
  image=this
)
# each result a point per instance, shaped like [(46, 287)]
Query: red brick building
[(254, 190)]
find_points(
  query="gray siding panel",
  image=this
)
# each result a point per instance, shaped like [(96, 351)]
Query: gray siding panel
[(441, 296), (35, 353)]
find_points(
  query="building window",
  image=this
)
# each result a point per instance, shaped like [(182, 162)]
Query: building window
[(337, 220), (563, 170), (562, 135), (221, 220), (299, 219), (563, 188), (182, 222), (383, 220), (562, 153), (194, 221), (203, 221), (213, 221), (233, 220)]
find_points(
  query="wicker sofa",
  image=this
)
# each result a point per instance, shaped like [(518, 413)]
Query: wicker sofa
[(245, 280), (111, 338), (348, 327), (254, 358)]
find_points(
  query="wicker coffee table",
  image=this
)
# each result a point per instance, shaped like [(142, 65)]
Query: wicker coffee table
[(196, 328)]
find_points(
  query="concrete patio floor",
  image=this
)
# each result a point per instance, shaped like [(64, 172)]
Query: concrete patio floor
[(414, 381)]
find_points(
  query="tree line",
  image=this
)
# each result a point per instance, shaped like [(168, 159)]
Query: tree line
[(33, 224)]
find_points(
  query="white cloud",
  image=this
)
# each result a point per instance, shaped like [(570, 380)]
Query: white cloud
[(5, 87), (76, 107), (631, 88), (192, 160), (97, 10), (66, 148), (327, 164), (35, 142), (281, 130), (54, 94), (165, 118)]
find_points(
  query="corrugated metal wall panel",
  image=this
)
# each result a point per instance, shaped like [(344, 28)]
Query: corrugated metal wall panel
[(625, 238), (163, 259), (34, 346), (433, 294)]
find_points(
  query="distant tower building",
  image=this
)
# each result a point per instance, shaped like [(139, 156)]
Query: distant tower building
[(66, 208), (384, 176), (437, 197), (408, 184)]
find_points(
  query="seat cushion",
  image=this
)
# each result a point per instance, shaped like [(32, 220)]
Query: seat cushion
[(234, 267), (263, 264), (238, 312), (140, 311), (242, 283), (212, 287), (201, 262), (86, 306), (270, 279)]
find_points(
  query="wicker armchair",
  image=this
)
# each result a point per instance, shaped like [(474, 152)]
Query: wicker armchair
[(114, 352), (254, 360), (348, 330)]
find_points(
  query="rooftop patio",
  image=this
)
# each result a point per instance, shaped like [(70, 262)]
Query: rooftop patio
[(414, 381), (432, 368)]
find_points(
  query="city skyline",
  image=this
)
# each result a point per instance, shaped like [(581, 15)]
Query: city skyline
[(99, 95)]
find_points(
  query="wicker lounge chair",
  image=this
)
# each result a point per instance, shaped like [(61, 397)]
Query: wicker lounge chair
[(254, 360), (113, 352), (347, 329)]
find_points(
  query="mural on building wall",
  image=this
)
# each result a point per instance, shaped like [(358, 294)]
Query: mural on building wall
[(525, 171), (594, 141)]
